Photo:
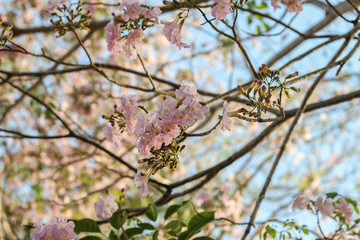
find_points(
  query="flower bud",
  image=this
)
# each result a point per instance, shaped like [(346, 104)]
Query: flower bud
[(241, 89), (258, 85), (287, 93), (295, 89), (295, 74), (253, 84), (267, 104), (263, 91)]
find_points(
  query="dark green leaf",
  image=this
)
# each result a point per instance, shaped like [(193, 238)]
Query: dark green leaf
[(305, 231), (152, 212), (196, 223), (86, 225), (171, 210), (331, 195), (155, 235), (90, 238), (113, 236), (146, 226), (173, 224), (203, 238), (131, 232), (118, 219)]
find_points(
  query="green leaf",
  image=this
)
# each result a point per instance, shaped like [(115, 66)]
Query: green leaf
[(131, 232), (203, 238), (173, 225), (331, 195), (152, 212), (52, 105), (90, 238), (196, 223), (113, 236), (271, 231), (48, 114), (38, 111), (305, 231), (352, 202), (118, 219), (155, 235), (146, 226), (171, 210), (86, 225)]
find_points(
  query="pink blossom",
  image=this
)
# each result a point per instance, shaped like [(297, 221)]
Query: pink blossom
[(153, 13), (39, 232), (345, 209), (221, 9), (167, 110), (291, 5), (226, 121), (172, 34), (187, 91), (113, 135), (300, 202), (134, 39), (113, 35), (133, 11), (53, 4), (56, 229), (104, 208), (294, 5), (141, 181), (325, 207), (129, 109)]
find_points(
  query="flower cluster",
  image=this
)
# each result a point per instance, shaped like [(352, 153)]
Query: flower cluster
[(291, 5), (158, 131), (126, 31), (104, 208), (221, 9), (172, 34), (56, 229), (340, 206)]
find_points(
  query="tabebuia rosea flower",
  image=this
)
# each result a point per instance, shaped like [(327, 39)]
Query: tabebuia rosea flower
[(56, 229), (345, 209), (226, 121), (301, 201), (105, 207), (291, 5), (172, 34), (125, 33), (221, 9), (141, 182), (325, 207), (157, 131), (53, 4)]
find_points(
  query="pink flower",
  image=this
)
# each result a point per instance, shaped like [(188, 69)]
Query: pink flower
[(187, 91), (113, 35), (300, 202), (172, 34), (39, 232), (104, 208), (294, 5), (226, 121), (153, 13), (129, 109), (202, 197), (221, 9), (53, 4), (56, 229), (134, 39), (345, 209), (291, 5), (141, 181), (133, 11), (113, 134), (326, 207)]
